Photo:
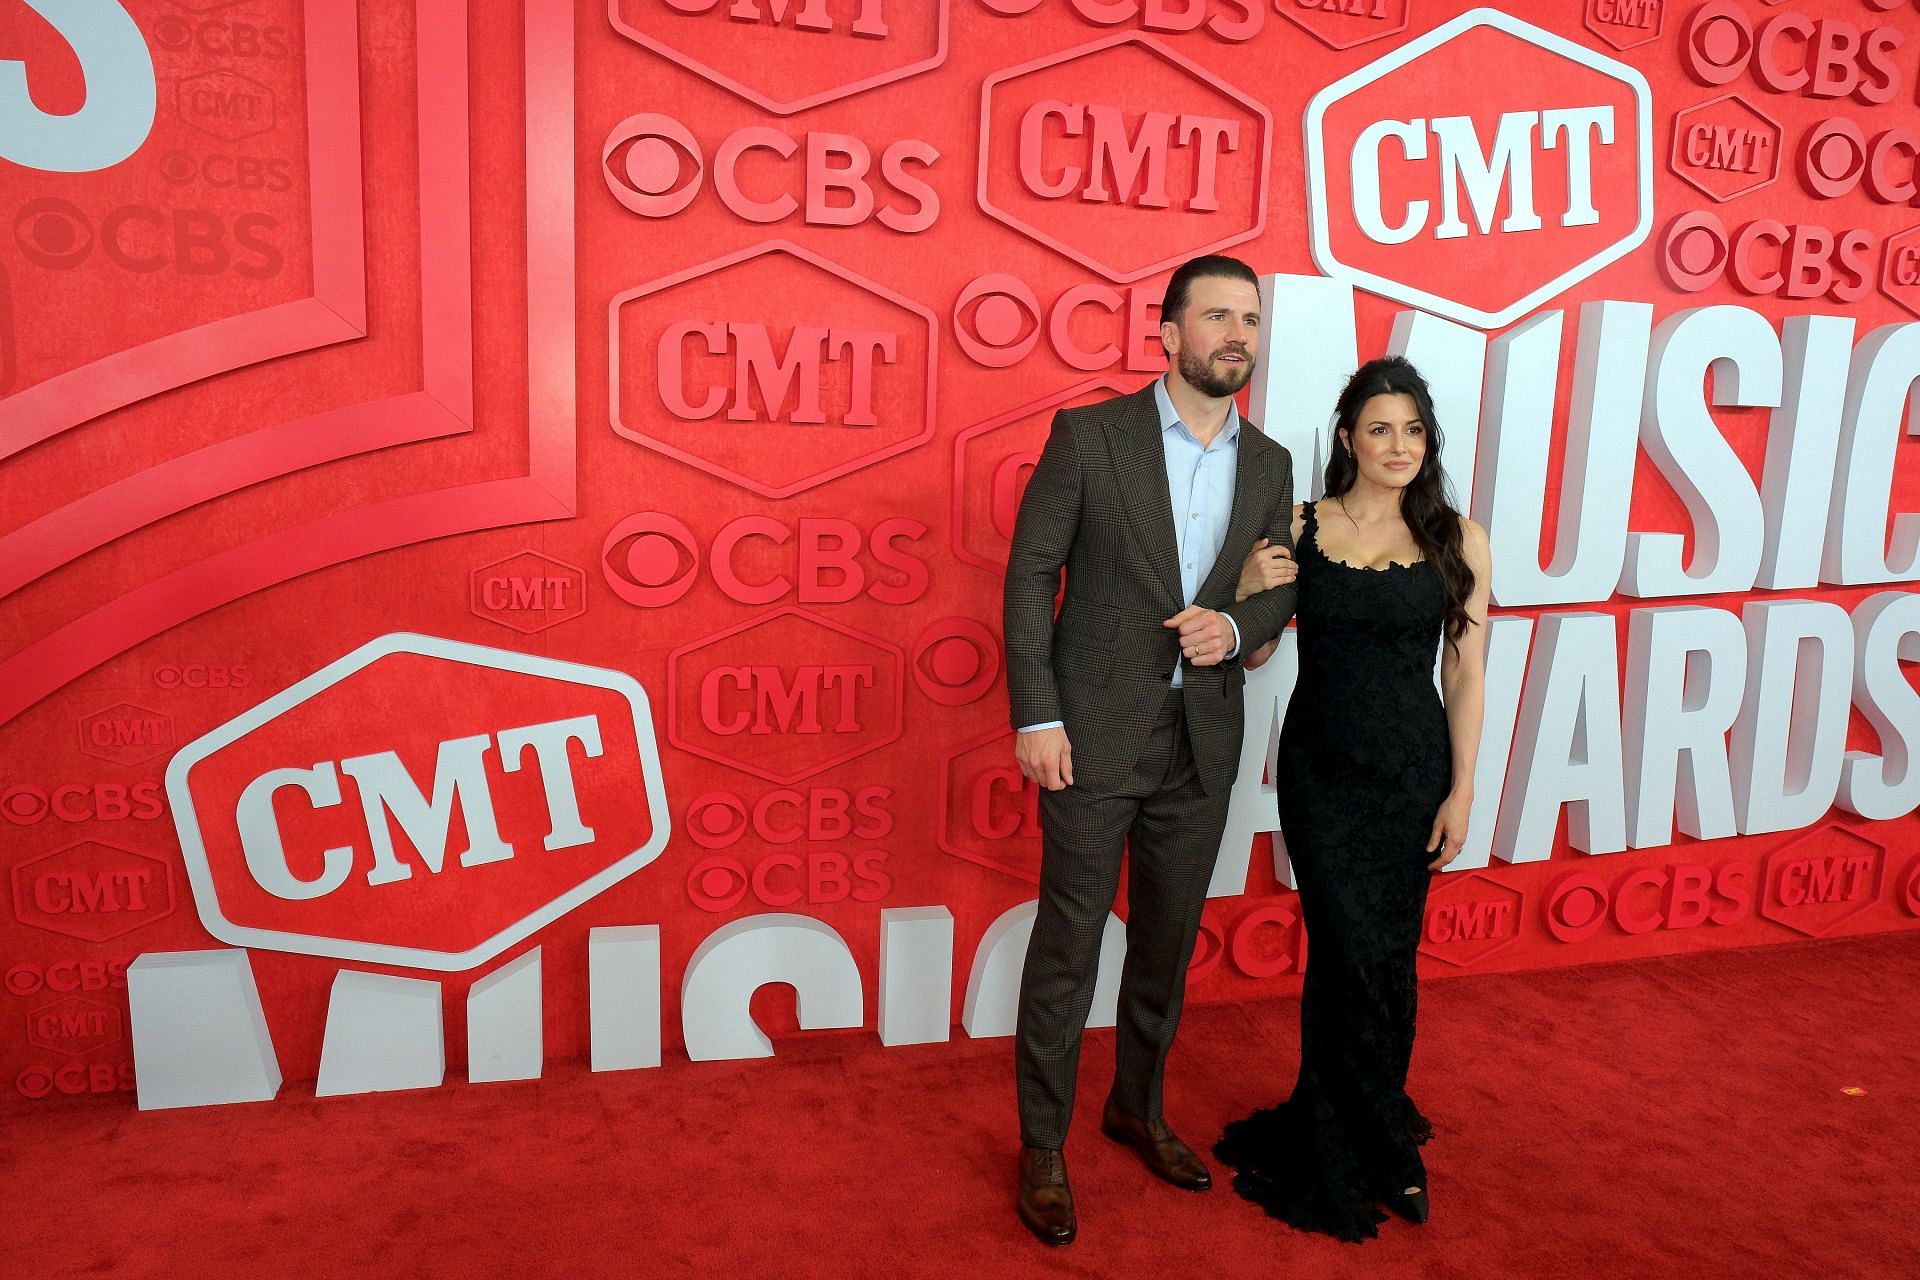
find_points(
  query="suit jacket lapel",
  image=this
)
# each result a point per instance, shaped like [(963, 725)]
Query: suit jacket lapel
[(1140, 466), (1243, 525)]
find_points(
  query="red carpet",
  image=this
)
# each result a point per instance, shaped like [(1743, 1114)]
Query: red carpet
[(1681, 1117)]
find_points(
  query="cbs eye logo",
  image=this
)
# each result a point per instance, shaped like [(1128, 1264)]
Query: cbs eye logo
[(955, 661), (996, 320), (53, 233), (1694, 251), (716, 820), (178, 168), (652, 165), (173, 33), (650, 559), (717, 883)]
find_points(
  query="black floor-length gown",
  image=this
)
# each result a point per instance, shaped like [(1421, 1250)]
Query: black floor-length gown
[(1364, 765)]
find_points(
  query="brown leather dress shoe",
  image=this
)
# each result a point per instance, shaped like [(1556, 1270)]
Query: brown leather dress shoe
[(1167, 1156), (1046, 1201)]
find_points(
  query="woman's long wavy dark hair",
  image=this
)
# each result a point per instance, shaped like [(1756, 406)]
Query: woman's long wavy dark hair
[(1424, 504)]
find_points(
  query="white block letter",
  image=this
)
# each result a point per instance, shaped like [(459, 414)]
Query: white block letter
[(1252, 806), (993, 984), (382, 1033), (505, 1034), (1686, 674), (1790, 741), (122, 93), (1508, 640), (1365, 168), (1886, 630), (549, 743), (1729, 528), (623, 985), (199, 1034), (1803, 442), (738, 959), (1597, 485), (386, 786), (260, 838), (1307, 352), (1883, 386), (916, 975), (1567, 745)]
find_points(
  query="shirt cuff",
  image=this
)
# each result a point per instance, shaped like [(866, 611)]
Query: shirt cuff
[(1051, 724), (1235, 651)]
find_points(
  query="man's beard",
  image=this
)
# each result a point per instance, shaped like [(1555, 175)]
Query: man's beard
[(1219, 382)]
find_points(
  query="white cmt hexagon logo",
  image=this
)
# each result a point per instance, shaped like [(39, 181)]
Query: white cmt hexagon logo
[(419, 802), (1528, 169)]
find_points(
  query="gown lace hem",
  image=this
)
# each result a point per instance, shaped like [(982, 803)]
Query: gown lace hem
[(1296, 1163)]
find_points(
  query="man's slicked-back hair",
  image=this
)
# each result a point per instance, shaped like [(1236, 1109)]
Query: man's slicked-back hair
[(1173, 307)]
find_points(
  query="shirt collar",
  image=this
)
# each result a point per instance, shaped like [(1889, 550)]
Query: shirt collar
[(1169, 418)]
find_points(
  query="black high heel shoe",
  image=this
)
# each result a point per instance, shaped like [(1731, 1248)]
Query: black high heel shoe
[(1411, 1205)]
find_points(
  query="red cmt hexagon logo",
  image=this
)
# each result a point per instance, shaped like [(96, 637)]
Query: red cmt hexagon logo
[(1625, 24), (126, 734), (225, 104), (528, 591), (1823, 878), (1470, 918), (772, 368), (785, 695), (1123, 156), (1900, 269), (992, 462), (92, 890), (323, 821), (74, 1026), (1910, 888), (1478, 197), (989, 813), (1725, 147), (787, 55), (1342, 24)]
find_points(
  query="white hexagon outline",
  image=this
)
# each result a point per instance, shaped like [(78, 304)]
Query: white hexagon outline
[(199, 872), (1397, 291)]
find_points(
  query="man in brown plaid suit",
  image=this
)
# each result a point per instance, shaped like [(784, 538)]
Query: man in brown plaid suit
[(1129, 706)]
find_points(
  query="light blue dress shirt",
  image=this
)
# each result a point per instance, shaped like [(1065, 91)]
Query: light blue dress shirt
[(1200, 494)]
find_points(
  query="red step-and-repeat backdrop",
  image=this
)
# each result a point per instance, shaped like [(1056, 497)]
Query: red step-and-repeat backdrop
[(476, 472)]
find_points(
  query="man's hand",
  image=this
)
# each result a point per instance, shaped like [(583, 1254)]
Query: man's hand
[(1206, 638), (1265, 568), (1045, 756)]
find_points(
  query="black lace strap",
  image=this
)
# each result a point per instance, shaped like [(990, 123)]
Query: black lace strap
[(1309, 525)]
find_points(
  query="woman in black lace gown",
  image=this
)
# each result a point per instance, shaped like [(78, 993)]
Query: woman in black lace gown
[(1375, 781)]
